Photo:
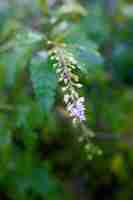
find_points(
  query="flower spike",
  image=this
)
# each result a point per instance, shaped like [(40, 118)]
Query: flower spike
[(65, 65)]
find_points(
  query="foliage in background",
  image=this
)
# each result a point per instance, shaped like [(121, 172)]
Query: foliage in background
[(40, 155)]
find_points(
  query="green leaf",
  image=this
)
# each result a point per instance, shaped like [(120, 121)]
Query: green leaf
[(17, 58), (8, 29), (123, 61), (88, 57), (28, 38), (35, 177), (13, 62), (44, 82)]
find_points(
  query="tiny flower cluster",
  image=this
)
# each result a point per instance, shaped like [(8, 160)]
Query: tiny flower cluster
[(90, 149), (65, 65)]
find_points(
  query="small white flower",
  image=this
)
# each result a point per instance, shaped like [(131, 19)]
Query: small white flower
[(72, 60), (64, 89), (72, 66), (60, 79), (66, 98), (81, 99), (69, 106), (78, 85), (52, 58), (58, 70), (55, 65)]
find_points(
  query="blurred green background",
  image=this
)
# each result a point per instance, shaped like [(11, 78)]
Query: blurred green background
[(40, 157)]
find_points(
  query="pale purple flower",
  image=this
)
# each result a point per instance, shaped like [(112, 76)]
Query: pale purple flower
[(65, 76), (77, 110)]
